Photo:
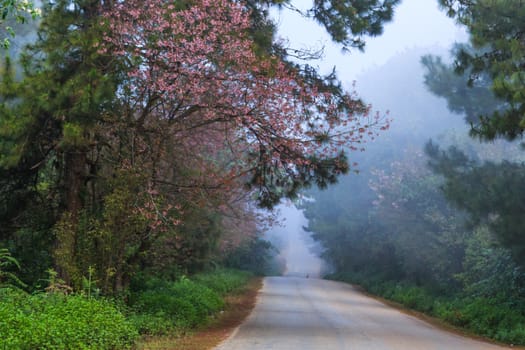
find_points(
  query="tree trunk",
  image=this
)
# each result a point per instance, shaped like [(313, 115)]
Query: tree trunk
[(67, 231)]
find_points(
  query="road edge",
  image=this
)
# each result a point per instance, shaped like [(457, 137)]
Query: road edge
[(232, 333), (434, 321)]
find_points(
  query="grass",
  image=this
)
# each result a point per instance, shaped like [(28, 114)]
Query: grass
[(238, 303)]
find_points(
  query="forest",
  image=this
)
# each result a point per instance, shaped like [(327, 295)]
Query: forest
[(140, 144), (434, 219), (143, 146)]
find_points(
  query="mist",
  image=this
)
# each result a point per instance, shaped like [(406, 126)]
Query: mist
[(389, 76), (298, 251)]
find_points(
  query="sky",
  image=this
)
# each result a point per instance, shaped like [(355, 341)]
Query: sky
[(417, 23)]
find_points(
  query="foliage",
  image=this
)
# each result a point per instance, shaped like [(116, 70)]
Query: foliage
[(488, 266), (491, 193), (254, 255), (427, 229), (6, 261), (282, 146), (18, 11), (491, 317), (160, 306), (151, 127), (348, 21), (397, 223), (472, 99), (223, 281), (56, 321), (496, 34)]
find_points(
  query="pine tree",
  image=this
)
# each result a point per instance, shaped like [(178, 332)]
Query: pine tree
[(497, 34), (50, 118)]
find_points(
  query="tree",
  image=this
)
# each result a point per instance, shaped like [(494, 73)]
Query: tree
[(489, 269), (470, 98), (490, 192), (67, 92), (425, 231), (497, 35), (348, 21), (149, 125), (491, 88), (286, 127)]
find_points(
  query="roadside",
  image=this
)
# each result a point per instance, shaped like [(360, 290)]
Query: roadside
[(238, 306), (434, 321), (313, 314)]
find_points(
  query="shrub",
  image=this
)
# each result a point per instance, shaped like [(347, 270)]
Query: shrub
[(223, 281), (413, 297), (161, 307), (493, 318), (450, 312), (148, 324), (51, 321)]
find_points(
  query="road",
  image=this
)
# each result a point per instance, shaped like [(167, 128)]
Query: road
[(305, 313)]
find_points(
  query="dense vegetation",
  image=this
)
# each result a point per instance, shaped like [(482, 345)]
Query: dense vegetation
[(54, 320), (437, 225), (152, 150), (138, 142)]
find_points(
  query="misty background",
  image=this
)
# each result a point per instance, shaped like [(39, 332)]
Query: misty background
[(388, 75), (431, 214)]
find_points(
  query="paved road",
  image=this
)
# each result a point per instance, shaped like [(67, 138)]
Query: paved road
[(301, 314)]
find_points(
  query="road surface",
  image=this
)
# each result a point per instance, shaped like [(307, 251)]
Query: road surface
[(305, 313)]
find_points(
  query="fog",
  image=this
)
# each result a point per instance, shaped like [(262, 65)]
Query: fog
[(388, 74), (417, 23), (297, 250)]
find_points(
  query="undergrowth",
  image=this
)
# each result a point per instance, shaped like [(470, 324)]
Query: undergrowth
[(155, 307), (57, 321), (161, 307)]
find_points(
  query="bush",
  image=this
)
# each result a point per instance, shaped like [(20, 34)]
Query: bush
[(50, 321), (494, 318), (162, 307), (413, 297), (152, 324), (223, 281), (257, 255), (450, 312)]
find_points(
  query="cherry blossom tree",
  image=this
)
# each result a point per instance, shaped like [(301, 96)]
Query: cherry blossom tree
[(193, 77), (158, 125)]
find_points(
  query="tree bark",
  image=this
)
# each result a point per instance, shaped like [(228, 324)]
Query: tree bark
[(75, 163)]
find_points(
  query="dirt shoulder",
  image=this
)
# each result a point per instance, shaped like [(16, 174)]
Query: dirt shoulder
[(238, 307)]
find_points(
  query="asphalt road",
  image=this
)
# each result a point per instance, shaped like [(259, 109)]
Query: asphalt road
[(305, 313)]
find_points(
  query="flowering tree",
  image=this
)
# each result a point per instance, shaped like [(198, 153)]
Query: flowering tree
[(155, 125), (193, 77)]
